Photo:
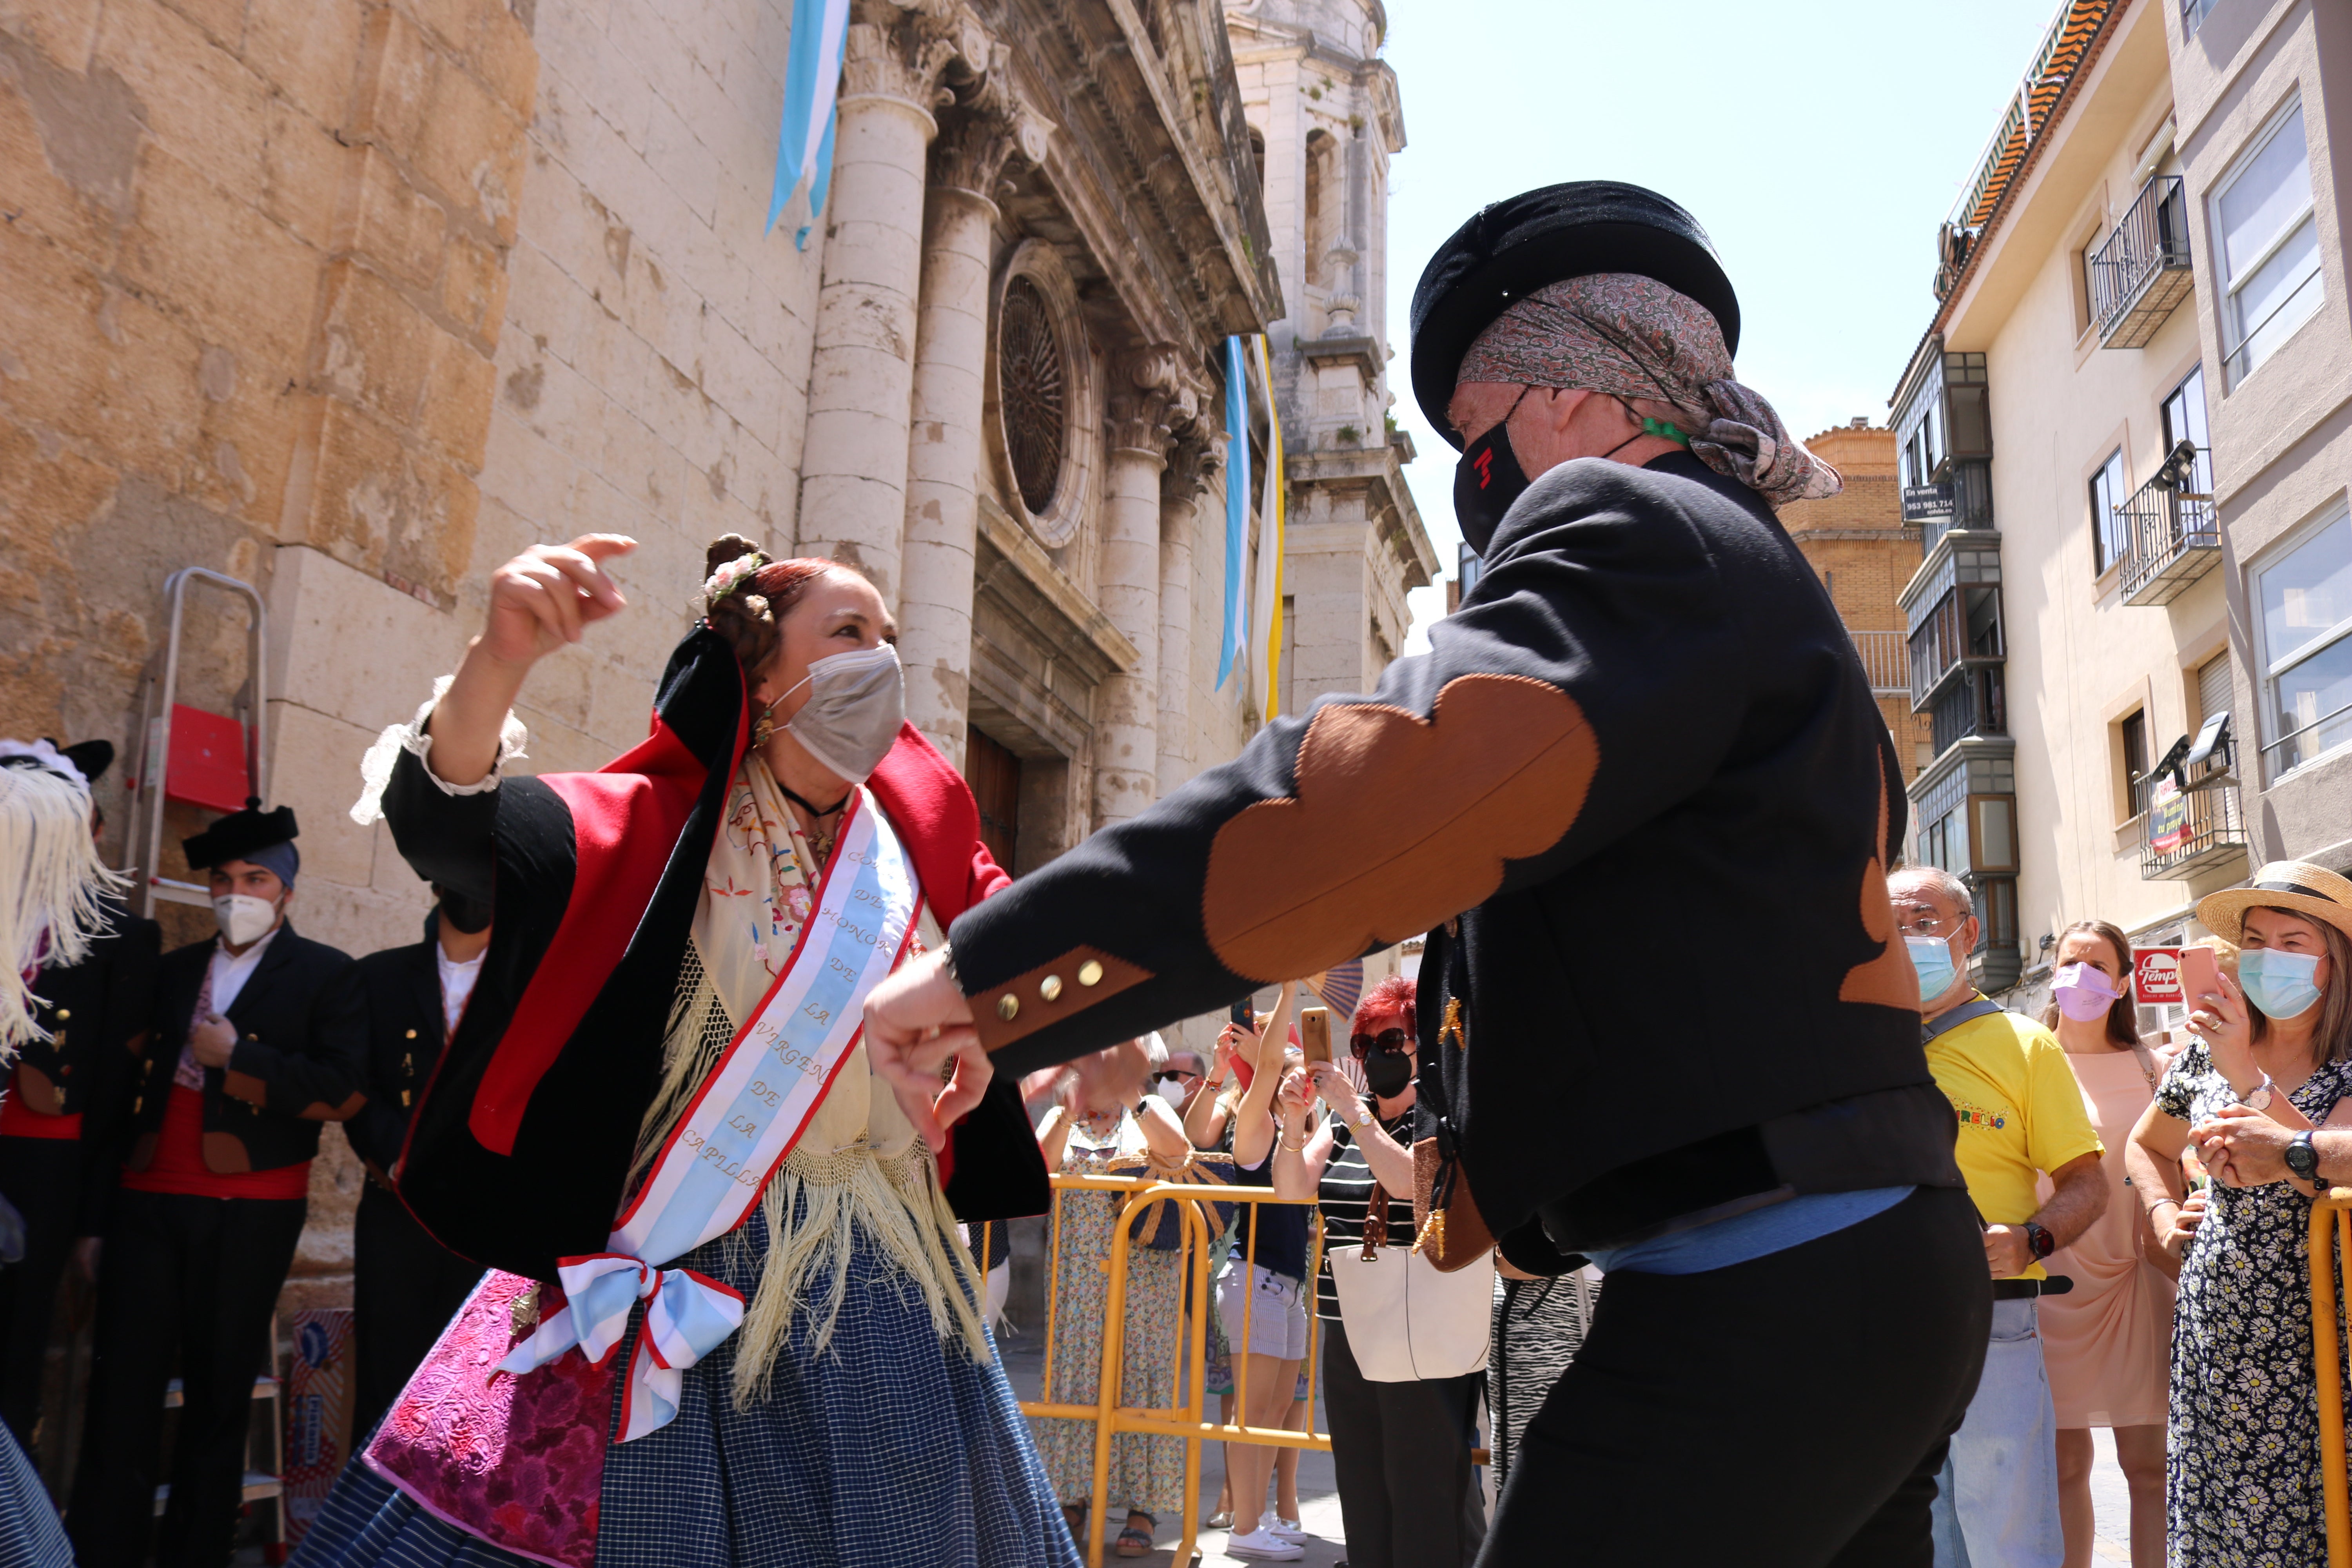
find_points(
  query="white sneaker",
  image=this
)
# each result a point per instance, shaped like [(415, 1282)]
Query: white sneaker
[(1264, 1543), (1288, 1529)]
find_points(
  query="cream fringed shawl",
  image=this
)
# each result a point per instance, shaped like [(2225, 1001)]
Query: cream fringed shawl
[(859, 1165)]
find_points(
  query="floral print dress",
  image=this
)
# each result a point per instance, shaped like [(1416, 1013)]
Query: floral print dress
[(1147, 1470), (2242, 1477)]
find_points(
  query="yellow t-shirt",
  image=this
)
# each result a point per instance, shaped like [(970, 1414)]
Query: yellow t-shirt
[(2021, 1110)]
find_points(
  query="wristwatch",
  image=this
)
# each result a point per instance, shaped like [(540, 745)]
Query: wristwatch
[(2260, 1100), (2302, 1157), (2039, 1239)]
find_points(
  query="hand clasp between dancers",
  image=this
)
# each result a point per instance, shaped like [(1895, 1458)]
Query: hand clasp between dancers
[(919, 1038)]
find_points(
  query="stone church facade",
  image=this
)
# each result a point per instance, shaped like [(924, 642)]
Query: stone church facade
[(351, 300)]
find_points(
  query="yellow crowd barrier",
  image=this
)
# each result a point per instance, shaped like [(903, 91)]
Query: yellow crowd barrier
[(1188, 1418), (2331, 1224)]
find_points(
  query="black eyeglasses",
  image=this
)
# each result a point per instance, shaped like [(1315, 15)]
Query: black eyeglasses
[(1180, 1074), (1386, 1040)]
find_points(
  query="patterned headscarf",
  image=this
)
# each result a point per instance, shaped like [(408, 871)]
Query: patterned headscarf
[(1631, 336)]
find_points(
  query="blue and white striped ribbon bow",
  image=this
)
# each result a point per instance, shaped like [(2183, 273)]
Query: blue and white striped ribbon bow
[(687, 1315)]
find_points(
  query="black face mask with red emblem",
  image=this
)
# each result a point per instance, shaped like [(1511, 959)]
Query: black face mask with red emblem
[(1487, 479)]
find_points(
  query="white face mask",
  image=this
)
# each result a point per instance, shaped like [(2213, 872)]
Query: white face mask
[(244, 919), (1169, 1089), (856, 702)]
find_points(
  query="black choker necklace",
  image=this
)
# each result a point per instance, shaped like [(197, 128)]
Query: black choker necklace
[(812, 807)]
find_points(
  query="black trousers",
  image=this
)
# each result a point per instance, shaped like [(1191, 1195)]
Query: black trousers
[(405, 1286), (1790, 1410), (1409, 1497), (42, 1177), (197, 1276)]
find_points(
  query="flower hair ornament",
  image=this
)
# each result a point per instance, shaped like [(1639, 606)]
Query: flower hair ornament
[(731, 575)]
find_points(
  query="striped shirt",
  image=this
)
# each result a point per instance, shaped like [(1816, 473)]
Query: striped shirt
[(1344, 1197)]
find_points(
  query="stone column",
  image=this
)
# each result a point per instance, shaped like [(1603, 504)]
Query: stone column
[(950, 396), (1193, 467), (853, 502), (1149, 402)]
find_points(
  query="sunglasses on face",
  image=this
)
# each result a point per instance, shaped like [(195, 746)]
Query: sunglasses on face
[(1363, 1045), (1177, 1075)]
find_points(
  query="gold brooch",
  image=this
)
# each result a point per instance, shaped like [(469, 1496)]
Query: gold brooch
[(523, 1312)]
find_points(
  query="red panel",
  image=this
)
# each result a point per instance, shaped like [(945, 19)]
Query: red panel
[(206, 766), (625, 819)]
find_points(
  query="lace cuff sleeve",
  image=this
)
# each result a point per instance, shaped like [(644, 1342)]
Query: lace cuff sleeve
[(376, 767)]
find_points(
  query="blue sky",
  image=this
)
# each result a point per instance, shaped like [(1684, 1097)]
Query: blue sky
[(1820, 144)]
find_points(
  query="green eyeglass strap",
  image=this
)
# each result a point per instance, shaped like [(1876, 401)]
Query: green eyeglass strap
[(1660, 427)]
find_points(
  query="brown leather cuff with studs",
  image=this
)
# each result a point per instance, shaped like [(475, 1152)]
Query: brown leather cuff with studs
[(1063, 988)]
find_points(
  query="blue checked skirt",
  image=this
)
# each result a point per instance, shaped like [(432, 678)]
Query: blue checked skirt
[(886, 1448)]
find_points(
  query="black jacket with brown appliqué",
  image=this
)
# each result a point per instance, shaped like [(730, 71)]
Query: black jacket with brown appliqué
[(1642, 766), (301, 1038)]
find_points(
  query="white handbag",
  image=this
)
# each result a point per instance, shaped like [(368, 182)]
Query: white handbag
[(1407, 1320)]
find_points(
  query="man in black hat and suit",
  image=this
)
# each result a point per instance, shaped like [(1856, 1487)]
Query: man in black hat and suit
[(253, 1041), (1640, 799), (406, 1285), (58, 1142)]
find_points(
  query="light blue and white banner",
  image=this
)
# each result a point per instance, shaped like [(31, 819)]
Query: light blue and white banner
[(1237, 493), (812, 82)]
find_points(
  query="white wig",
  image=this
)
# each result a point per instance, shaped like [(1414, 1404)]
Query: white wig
[(50, 879)]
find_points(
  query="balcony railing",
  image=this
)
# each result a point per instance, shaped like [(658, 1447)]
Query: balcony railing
[(1887, 657), (1975, 706), (2171, 536), (2141, 274), (2216, 833)]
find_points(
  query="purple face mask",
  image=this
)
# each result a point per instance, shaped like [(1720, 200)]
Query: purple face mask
[(2084, 993)]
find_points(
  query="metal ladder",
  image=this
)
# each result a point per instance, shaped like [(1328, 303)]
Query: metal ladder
[(146, 835)]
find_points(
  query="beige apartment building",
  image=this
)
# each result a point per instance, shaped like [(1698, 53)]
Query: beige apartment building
[(342, 302), (2115, 433), (2262, 98)]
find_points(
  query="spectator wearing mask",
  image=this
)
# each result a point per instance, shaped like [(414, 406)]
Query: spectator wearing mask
[(254, 1040), (1182, 1081), (405, 1285), (58, 1142), (1261, 1303), (1399, 1444), (1104, 1118), (2021, 1116), (2261, 1091), (2106, 1341)]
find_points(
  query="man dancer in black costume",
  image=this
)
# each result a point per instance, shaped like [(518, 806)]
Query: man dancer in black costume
[(1641, 800)]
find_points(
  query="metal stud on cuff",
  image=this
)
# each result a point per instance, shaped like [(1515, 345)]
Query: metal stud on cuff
[(1090, 972), (1050, 988), (1008, 1007)]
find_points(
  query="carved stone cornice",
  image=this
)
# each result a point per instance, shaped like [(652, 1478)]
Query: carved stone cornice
[(1151, 402), (903, 53), (988, 125), (1195, 461)]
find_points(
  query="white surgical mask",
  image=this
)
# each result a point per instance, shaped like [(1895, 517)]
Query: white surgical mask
[(244, 919), (1169, 1089), (856, 702)]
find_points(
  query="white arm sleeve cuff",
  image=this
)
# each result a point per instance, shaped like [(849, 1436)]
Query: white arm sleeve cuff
[(376, 767)]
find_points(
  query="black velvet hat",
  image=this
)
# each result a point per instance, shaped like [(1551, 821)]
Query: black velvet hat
[(92, 757), (1514, 247), (237, 836)]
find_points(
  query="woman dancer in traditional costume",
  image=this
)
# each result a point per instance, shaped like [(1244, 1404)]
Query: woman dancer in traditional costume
[(657, 1094)]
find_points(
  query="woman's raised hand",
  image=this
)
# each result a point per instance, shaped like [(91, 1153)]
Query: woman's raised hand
[(1333, 1086), (547, 596), (2218, 1018)]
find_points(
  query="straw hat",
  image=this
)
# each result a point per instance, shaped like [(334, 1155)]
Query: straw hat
[(2295, 885)]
